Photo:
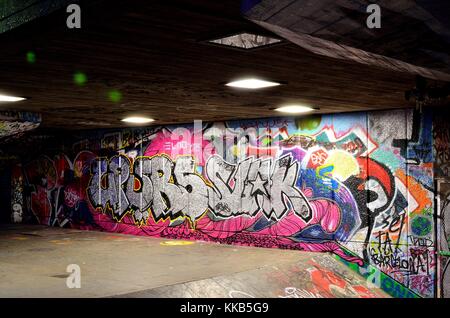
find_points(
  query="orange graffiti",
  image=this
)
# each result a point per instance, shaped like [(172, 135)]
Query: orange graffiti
[(416, 190)]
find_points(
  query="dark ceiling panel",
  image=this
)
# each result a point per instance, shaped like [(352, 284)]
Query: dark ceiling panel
[(154, 54), (414, 32), (14, 13)]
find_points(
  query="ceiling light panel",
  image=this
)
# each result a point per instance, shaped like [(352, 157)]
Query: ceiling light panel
[(246, 41), (252, 83)]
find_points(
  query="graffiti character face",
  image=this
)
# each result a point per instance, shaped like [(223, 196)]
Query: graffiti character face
[(17, 213)]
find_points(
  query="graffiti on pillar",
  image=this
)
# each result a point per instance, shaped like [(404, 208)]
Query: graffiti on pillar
[(17, 196), (357, 185), (441, 138), (445, 241)]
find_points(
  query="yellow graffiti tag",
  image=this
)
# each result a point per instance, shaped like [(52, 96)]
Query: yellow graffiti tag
[(176, 243)]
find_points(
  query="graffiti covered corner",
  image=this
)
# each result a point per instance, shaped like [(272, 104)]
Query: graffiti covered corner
[(357, 185), (16, 123)]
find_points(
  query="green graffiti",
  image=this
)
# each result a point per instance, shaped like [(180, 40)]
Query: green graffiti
[(428, 211), (421, 226), (380, 279), (308, 123)]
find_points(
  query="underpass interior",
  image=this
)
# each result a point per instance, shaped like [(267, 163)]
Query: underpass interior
[(194, 149)]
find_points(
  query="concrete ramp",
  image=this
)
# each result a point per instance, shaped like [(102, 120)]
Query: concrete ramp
[(322, 276)]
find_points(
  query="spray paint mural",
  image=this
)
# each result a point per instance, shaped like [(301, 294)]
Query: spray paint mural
[(441, 138), (444, 239), (357, 185), (17, 194), (16, 123)]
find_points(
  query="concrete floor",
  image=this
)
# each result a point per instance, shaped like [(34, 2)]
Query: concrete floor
[(33, 262)]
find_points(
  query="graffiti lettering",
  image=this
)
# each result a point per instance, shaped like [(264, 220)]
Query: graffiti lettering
[(173, 189)]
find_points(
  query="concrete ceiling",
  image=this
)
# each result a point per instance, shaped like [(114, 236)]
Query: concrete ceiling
[(414, 36), (154, 54), (14, 13)]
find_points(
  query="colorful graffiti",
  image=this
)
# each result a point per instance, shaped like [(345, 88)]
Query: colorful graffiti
[(16, 123), (170, 189), (355, 185), (443, 188), (441, 145), (57, 190), (446, 233), (17, 196)]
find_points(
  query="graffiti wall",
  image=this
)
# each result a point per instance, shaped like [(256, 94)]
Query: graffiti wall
[(441, 136), (441, 145), (444, 238), (357, 185), (16, 123)]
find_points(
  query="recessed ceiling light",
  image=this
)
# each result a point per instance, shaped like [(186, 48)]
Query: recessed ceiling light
[(138, 120), (6, 98), (294, 109), (252, 83), (245, 41)]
